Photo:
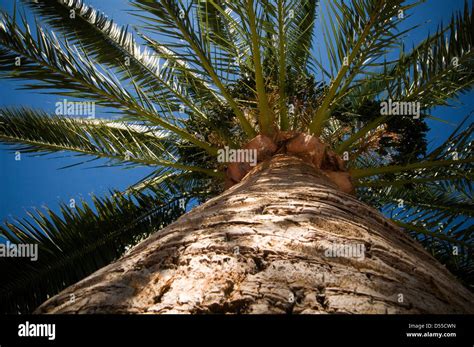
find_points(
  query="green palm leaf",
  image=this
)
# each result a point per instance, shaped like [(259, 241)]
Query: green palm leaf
[(167, 19), (119, 143), (432, 73), (70, 68), (76, 242)]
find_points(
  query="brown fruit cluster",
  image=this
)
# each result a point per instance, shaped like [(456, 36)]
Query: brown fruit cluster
[(307, 147)]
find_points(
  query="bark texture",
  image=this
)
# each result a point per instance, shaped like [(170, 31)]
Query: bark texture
[(260, 247)]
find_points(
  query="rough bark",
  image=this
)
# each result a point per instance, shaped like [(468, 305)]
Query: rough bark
[(260, 247)]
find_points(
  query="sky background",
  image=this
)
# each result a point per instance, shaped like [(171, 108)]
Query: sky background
[(38, 181)]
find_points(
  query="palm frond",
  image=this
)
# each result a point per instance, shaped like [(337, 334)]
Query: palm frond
[(430, 196), (32, 131), (76, 242), (440, 67), (364, 31), (266, 116), (432, 73), (452, 158), (116, 47), (173, 20), (300, 28), (71, 71)]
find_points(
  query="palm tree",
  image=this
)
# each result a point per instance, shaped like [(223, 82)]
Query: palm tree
[(303, 230)]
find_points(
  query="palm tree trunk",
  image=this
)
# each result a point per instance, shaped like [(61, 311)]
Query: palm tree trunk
[(263, 246)]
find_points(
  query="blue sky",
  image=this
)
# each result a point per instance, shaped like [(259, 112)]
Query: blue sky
[(36, 181)]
